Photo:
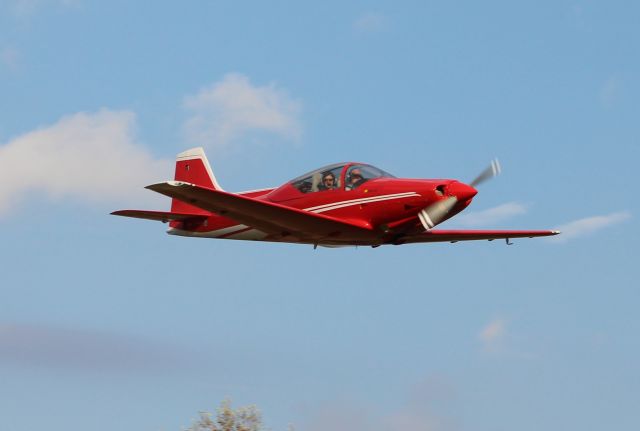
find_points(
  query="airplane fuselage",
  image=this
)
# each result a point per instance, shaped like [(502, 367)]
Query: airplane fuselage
[(343, 204), (388, 205)]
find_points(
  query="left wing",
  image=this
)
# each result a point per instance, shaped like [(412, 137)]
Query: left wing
[(271, 218), (472, 235)]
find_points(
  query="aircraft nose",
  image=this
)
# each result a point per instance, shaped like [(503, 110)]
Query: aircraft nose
[(462, 191)]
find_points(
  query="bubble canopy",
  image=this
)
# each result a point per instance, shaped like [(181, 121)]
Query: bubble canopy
[(347, 175)]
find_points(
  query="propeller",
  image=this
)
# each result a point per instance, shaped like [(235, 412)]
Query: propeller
[(436, 212), (491, 171)]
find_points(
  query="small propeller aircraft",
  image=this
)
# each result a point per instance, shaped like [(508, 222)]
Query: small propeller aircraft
[(344, 204)]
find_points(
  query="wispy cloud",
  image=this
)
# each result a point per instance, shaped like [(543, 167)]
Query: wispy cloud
[(25, 8), (492, 215), (589, 225), (370, 22), (341, 416), (91, 157), (233, 107), (610, 91), (9, 58), (492, 335), (63, 348), (426, 409)]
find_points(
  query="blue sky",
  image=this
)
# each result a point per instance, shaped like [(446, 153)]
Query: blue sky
[(108, 323)]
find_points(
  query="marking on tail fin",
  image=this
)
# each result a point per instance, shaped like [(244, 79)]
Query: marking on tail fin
[(199, 154)]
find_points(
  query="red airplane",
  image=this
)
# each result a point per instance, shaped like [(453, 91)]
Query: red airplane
[(344, 204)]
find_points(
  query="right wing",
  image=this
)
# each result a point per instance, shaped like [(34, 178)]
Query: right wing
[(472, 235), (271, 218)]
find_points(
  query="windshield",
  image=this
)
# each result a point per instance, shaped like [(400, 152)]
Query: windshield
[(359, 174), (330, 177), (326, 178)]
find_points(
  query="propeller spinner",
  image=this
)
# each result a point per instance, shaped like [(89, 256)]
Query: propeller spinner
[(436, 212)]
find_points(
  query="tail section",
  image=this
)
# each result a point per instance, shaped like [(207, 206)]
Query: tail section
[(193, 167)]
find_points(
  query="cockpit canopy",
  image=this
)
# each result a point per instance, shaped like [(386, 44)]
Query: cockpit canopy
[(337, 176)]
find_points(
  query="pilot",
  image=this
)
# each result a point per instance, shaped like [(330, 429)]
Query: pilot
[(305, 187), (355, 179), (328, 181)]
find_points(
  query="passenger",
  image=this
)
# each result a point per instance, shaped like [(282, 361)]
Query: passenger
[(328, 181), (355, 179), (305, 187)]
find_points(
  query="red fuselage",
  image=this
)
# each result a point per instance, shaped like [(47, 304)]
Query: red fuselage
[(344, 204), (388, 204)]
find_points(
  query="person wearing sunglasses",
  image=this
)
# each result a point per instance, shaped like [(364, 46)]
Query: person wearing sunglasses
[(328, 181)]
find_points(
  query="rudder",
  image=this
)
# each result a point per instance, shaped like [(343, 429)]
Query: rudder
[(193, 167)]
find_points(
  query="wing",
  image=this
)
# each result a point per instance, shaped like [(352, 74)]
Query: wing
[(472, 235), (158, 215), (271, 218)]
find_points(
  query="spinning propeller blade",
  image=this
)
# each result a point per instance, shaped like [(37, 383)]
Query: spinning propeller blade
[(436, 212), (490, 172)]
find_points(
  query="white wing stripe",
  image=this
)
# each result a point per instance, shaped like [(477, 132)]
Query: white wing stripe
[(227, 230)]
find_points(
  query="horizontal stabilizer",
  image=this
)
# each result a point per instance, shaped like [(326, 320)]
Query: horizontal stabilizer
[(162, 216)]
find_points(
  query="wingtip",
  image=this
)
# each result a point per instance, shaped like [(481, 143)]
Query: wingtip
[(154, 187), (157, 186)]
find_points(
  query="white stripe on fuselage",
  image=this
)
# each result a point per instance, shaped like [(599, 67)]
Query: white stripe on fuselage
[(360, 201)]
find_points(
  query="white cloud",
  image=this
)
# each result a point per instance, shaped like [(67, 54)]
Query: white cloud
[(492, 335), (90, 157), (24, 8), (370, 22), (492, 215), (233, 107), (76, 349), (426, 409), (610, 91), (588, 225), (341, 416)]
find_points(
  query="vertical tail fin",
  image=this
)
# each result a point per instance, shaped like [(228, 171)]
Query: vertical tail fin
[(193, 167)]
